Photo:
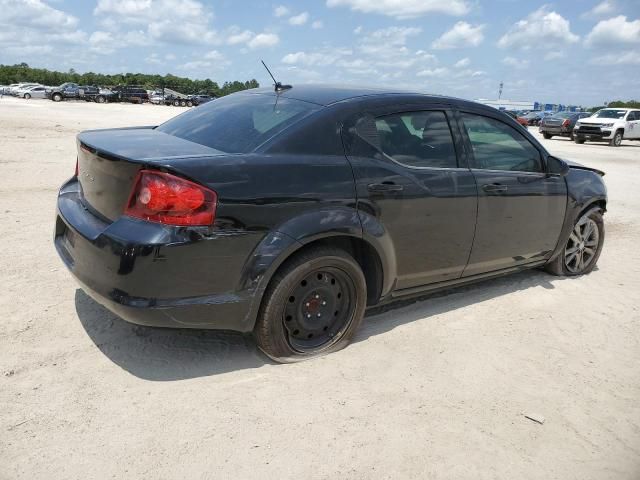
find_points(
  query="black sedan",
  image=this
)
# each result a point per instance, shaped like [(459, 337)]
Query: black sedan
[(561, 124), (287, 213)]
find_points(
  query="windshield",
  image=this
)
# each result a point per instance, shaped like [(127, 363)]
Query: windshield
[(610, 113), (238, 123)]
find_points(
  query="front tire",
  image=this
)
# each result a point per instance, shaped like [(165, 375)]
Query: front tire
[(578, 140), (27, 96), (56, 97), (547, 136), (616, 141), (312, 307), (583, 248)]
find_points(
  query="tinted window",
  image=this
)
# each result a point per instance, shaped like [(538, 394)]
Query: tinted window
[(497, 146), (237, 123), (417, 139)]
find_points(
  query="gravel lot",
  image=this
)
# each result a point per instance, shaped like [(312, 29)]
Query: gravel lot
[(436, 388)]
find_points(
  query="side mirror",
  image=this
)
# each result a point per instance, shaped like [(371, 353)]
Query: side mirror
[(557, 167)]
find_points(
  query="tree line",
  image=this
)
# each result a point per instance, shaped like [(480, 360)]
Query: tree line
[(617, 104), (23, 73)]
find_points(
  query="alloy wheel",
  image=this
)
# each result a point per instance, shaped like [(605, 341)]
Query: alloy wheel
[(319, 309), (582, 246)]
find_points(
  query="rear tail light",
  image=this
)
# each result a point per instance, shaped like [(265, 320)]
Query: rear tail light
[(164, 198), (77, 170), (565, 123)]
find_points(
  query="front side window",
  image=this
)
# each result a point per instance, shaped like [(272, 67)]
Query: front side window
[(417, 139), (497, 146)]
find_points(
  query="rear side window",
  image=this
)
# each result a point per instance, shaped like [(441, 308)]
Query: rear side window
[(416, 139), (497, 146), (238, 123)]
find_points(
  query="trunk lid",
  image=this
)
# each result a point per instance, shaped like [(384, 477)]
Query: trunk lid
[(109, 161)]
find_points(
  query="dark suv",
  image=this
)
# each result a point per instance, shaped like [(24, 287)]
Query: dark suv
[(561, 124), (128, 93)]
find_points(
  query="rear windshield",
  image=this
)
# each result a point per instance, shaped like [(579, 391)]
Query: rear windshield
[(563, 115), (610, 113), (238, 123)]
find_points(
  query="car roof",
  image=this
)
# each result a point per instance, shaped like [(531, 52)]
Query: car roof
[(615, 108), (329, 94)]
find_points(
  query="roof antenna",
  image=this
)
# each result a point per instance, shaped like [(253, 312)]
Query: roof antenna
[(278, 86)]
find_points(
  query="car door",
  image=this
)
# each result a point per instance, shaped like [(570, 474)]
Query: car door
[(633, 125), (520, 207), (410, 179)]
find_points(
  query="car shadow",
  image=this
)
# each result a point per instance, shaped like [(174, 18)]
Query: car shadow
[(162, 354)]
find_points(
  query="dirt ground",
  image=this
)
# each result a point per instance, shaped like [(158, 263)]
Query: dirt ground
[(436, 388)]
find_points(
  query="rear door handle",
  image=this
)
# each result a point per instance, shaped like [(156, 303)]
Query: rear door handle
[(384, 187), (494, 188)]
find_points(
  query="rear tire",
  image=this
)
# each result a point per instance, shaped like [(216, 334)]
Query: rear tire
[(100, 99), (547, 136), (27, 96), (616, 141), (183, 103), (176, 103), (56, 97), (189, 103), (578, 140), (313, 306), (583, 248)]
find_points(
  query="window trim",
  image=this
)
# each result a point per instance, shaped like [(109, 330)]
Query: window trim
[(469, 147), (450, 119)]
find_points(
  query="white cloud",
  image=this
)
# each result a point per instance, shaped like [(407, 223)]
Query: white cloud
[(280, 11), (541, 28), (322, 58), (607, 7), (403, 9), (618, 58), (435, 72), (35, 14), (239, 37), (464, 62), (102, 42), (169, 21), (515, 63), (263, 40), (214, 55), (357, 30), (300, 19), (554, 55), (317, 24), (461, 35), (616, 30), (388, 42)]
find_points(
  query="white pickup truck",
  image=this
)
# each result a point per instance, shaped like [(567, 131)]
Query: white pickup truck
[(609, 125)]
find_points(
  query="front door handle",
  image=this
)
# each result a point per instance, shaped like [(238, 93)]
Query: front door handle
[(384, 187), (494, 188)]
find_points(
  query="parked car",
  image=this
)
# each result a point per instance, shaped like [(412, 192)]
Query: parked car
[(71, 91), (534, 118), (561, 124), (200, 99), (609, 125), (129, 93), (14, 89), (288, 213), (157, 98), (521, 120), (38, 91)]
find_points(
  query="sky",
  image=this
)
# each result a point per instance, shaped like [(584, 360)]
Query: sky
[(582, 52)]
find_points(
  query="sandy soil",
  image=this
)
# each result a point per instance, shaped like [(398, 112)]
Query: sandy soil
[(430, 389)]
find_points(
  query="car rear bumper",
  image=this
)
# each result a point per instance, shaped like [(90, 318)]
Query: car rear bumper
[(555, 130), (152, 274)]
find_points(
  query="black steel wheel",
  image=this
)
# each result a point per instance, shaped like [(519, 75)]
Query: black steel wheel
[(313, 306), (582, 248)]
